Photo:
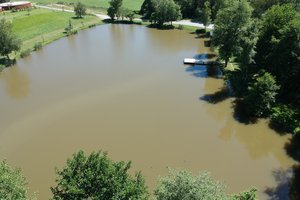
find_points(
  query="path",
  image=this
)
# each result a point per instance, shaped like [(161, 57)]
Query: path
[(103, 16)]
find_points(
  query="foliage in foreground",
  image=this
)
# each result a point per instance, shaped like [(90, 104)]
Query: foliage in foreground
[(12, 183), (182, 185), (97, 177)]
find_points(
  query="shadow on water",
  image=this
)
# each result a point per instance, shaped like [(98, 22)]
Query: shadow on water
[(240, 114), (288, 184), (293, 148), (216, 97)]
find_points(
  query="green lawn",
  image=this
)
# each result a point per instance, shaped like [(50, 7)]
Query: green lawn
[(98, 4), (42, 25)]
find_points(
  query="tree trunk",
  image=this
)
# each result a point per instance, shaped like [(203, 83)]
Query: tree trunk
[(226, 62)]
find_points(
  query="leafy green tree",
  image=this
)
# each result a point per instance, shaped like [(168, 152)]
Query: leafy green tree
[(182, 185), (69, 28), (240, 77), (216, 5), (166, 11), (80, 10), (278, 50), (187, 7), (97, 177), (229, 24), (114, 10), (206, 14), (261, 95), (147, 8), (13, 185), (8, 40)]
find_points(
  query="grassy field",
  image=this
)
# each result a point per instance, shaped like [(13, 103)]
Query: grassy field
[(96, 4), (45, 26)]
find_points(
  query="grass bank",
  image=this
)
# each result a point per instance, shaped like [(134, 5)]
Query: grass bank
[(44, 26), (99, 5)]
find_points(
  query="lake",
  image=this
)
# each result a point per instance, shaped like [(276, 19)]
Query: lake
[(124, 89)]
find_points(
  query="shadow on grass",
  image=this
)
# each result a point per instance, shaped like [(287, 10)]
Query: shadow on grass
[(287, 184), (240, 113), (161, 27), (216, 97)]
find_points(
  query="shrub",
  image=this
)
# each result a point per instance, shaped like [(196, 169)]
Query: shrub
[(286, 118), (200, 31), (25, 53), (37, 46)]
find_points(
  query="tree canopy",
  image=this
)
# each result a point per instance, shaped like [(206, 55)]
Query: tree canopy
[(12, 184), (229, 26), (165, 11), (97, 177), (114, 10), (182, 185), (8, 40), (80, 10)]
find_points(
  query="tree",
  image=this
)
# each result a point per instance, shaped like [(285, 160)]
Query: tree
[(8, 40), (216, 5), (80, 10), (147, 8), (261, 95), (97, 177), (241, 77), (69, 28), (187, 7), (166, 11), (182, 185), (229, 24), (114, 9), (206, 14), (12, 184), (278, 50)]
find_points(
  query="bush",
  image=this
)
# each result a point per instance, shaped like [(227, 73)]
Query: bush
[(200, 31), (286, 118), (98, 177), (37, 46), (25, 53)]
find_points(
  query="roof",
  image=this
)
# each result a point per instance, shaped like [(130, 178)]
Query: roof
[(16, 3)]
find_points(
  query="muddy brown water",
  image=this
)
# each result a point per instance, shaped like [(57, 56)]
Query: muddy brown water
[(124, 89)]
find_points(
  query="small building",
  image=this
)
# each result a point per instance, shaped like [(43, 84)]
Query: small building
[(17, 5)]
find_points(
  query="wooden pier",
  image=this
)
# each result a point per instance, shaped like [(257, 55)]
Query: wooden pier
[(193, 61)]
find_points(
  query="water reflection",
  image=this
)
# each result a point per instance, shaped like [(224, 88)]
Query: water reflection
[(17, 82)]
